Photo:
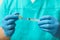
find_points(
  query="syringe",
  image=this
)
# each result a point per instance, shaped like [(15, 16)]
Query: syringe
[(30, 19)]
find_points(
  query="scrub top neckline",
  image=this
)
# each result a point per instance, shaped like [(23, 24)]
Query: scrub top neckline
[(33, 1)]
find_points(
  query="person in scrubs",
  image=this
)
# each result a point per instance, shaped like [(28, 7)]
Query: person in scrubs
[(14, 28)]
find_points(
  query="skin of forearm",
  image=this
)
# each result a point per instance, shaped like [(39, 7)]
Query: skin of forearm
[(2, 36)]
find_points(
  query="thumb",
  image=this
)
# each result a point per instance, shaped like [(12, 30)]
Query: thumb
[(15, 14)]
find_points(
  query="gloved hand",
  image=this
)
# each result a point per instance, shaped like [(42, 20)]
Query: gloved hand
[(49, 24), (8, 24)]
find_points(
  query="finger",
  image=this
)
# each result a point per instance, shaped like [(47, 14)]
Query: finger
[(44, 22), (46, 30), (10, 27), (11, 17), (47, 17), (11, 21), (47, 26), (9, 32)]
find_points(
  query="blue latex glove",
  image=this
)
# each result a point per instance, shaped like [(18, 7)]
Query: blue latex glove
[(8, 24), (49, 24)]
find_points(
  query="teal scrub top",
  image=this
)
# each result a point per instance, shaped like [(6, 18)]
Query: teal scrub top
[(25, 29)]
